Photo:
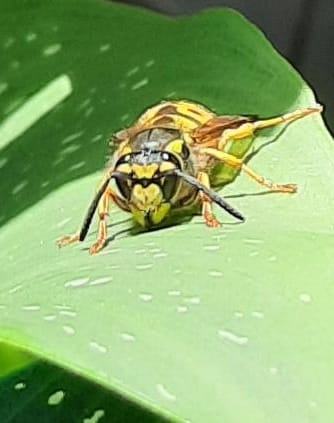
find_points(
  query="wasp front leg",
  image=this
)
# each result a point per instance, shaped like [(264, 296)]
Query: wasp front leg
[(68, 239), (207, 212), (103, 211)]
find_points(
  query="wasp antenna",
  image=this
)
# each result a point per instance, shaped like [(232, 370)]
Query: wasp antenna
[(91, 210), (216, 198)]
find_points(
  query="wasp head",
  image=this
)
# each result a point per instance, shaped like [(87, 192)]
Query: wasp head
[(146, 180)]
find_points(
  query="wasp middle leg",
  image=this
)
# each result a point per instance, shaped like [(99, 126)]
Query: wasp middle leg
[(233, 161), (207, 212)]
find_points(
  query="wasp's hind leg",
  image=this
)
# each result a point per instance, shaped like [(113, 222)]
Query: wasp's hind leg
[(248, 129), (207, 212), (238, 164)]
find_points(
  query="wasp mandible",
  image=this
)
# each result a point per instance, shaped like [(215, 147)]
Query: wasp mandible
[(168, 161)]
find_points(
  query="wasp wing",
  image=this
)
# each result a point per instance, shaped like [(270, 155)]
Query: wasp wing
[(209, 133)]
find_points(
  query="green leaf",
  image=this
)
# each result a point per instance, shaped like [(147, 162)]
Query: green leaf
[(207, 325), (12, 359), (46, 393)]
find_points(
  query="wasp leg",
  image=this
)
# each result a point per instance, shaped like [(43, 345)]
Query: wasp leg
[(67, 240), (102, 231), (207, 212), (238, 164), (103, 210), (247, 130)]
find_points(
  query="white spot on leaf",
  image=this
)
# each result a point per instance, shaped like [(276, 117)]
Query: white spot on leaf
[(174, 293), (32, 307), (128, 337), (146, 297), (211, 247), (50, 317), (76, 282), (215, 273), (56, 398), (72, 137), (232, 337), (98, 414), (140, 84), (104, 48), (3, 87), (182, 309), (19, 187), (132, 71), (98, 347), (305, 298), (31, 36), (257, 314), (101, 281), (52, 49), (69, 330), (149, 63), (144, 266), (19, 386)]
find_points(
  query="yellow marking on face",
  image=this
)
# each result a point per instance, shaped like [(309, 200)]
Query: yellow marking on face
[(146, 197), (139, 215), (156, 216), (160, 213), (142, 171), (165, 166), (148, 200), (175, 146), (125, 168)]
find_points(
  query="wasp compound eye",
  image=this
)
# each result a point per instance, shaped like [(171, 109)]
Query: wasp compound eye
[(124, 186), (185, 151), (168, 186)]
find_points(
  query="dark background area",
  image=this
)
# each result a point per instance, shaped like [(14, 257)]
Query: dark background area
[(301, 30)]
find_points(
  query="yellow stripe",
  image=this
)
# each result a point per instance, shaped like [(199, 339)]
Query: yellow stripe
[(165, 166), (124, 168), (200, 114), (144, 171)]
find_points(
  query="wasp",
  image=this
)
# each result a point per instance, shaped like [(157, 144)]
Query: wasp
[(172, 159)]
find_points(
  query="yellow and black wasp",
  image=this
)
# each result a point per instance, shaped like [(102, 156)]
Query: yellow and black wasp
[(170, 159)]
